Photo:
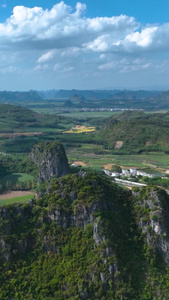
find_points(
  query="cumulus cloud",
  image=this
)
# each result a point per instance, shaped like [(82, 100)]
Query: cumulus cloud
[(63, 39), (60, 27)]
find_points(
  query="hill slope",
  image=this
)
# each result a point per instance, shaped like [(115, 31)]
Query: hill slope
[(137, 131)]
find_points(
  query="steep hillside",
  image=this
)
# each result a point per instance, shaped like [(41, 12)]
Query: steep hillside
[(86, 238)]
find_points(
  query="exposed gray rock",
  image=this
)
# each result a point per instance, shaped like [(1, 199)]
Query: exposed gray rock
[(51, 160), (154, 222), (103, 277), (96, 236)]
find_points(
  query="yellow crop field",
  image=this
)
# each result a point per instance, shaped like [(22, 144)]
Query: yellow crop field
[(80, 129)]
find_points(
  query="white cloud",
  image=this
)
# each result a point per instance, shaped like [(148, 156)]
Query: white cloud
[(10, 69), (142, 39), (102, 56), (46, 57), (107, 66), (63, 40), (68, 69), (60, 27), (125, 65), (41, 67)]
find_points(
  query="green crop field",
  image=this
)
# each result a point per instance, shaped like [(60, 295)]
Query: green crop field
[(90, 114), (151, 160), (95, 149), (21, 199), (17, 177)]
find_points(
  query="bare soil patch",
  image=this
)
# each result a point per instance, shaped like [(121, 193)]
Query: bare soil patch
[(89, 154), (80, 163), (148, 143), (118, 144), (21, 134), (108, 166), (13, 194)]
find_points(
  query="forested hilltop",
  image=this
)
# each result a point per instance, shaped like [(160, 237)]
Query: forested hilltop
[(135, 132), (86, 238)]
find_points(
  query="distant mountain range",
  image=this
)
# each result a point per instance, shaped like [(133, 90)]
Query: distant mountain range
[(7, 96), (115, 99), (97, 94)]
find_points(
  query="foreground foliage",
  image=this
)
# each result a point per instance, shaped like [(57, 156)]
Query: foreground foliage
[(82, 240)]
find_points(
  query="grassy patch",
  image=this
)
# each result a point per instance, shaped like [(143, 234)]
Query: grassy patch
[(17, 177), (21, 199)]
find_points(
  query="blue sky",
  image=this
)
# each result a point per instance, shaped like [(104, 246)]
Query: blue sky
[(84, 45), (144, 11)]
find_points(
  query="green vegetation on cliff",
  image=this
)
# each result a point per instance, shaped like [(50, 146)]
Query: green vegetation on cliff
[(84, 240)]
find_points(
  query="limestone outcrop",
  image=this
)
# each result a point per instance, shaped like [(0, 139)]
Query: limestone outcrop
[(50, 158)]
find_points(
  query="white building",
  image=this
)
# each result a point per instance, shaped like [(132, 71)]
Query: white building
[(133, 172), (125, 172)]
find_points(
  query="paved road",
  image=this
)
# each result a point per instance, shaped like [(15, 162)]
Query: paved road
[(129, 183)]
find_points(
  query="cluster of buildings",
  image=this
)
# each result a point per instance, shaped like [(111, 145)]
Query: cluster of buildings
[(128, 173), (98, 109)]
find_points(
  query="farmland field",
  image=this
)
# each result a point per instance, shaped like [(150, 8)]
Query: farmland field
[(16, 177), (80, 129), (19, 199), (88, 148), (155, 162), (90, 114)]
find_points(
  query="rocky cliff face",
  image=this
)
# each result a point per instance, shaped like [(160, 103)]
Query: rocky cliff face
[(86, 239), (153, 219), (51, 160)]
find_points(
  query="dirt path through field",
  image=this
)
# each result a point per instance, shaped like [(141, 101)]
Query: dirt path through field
[(80, 163), (21, 134), (13, 194)]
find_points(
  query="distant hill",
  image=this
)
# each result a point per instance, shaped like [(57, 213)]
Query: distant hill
[(7, 96), (8, 111), (68, 103), (77, 97), (164, 96), (20, 119), (15, 117), (48, 94), (137, 131), (115, 99), (97, 94)]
